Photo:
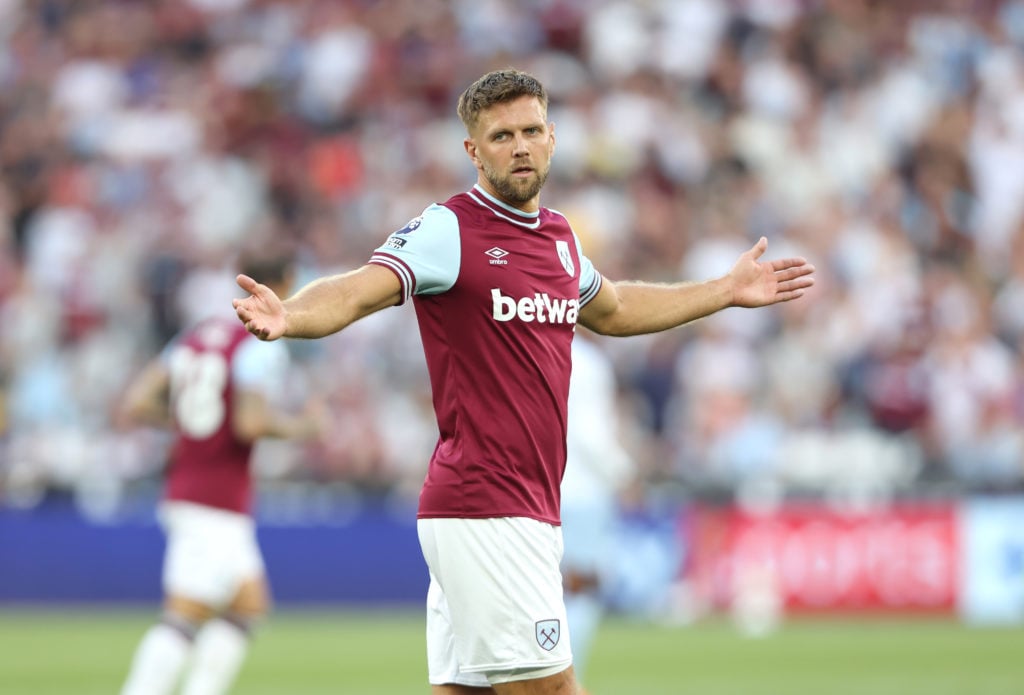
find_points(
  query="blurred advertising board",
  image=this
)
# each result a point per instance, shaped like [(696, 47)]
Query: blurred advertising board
[(993, 567), (359, 554), (812, 557)]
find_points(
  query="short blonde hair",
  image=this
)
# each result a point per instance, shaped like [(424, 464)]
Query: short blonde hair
[(497, 87)]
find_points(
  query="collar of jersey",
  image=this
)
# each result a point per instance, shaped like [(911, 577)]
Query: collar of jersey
[(530, 220)]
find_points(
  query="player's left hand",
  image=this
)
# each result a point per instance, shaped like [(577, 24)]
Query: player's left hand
[(759, 283), (262, 311)]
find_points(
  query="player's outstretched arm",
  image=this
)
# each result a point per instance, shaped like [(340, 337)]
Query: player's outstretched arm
[(254, 417), (322, 307), (633, 308), (147, 399)]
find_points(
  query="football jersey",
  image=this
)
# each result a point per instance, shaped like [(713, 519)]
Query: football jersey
[(209, 465), (497, 293)]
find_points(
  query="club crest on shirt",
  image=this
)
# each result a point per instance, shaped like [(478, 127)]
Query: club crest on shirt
[(563, 255), (548, 633)]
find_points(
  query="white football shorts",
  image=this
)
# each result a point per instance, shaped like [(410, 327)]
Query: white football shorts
[(495, 611), (210, 552)]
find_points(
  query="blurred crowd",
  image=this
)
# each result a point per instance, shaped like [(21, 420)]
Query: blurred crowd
[(144, 144)]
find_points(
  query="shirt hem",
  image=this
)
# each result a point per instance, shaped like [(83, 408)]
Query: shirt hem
[(554, 521)]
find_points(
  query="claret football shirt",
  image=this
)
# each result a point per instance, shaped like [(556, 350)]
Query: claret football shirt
[(497, 293), (208, 364)]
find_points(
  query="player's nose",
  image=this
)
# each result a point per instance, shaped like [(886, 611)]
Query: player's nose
[(519, 146)]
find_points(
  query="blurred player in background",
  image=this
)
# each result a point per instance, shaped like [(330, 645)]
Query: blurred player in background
[(214, 385), (499, 283), (597, 471)]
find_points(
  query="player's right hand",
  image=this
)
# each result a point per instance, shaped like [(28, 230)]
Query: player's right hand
[(262, 311)]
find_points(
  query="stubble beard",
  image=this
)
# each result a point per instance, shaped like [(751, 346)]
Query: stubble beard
[(517, 191)]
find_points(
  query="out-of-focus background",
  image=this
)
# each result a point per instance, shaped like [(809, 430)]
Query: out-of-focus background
[(859, 450)]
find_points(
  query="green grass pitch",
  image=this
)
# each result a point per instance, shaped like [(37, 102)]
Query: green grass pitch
[(86, 652)]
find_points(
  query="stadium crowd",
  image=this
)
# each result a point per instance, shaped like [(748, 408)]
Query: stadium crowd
[(144, 143)]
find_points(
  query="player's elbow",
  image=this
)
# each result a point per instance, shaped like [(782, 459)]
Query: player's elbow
[(247, 430), (146, 401), (129, 413), (250, 418), (608, 325), (606, 315)]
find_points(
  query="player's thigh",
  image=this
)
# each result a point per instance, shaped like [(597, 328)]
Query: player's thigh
[(452, 689), (252, 599), (562, 683), (194, 611)]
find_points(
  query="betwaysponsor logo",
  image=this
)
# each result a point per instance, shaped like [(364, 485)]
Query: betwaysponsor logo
[(541, 307)]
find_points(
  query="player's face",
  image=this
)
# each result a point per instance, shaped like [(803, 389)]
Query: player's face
[(511, 147)]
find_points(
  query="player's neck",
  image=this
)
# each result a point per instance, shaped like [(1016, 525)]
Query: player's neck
[(529, 207)]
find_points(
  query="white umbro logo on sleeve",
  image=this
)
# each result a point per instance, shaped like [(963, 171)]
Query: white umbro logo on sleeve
[(497, 256)]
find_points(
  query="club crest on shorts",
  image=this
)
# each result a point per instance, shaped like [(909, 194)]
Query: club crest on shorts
[(563, 255), (548, 633)]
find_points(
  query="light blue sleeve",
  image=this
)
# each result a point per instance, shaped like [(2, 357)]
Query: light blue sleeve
[(425, 254), (260, 366), (590, 279)]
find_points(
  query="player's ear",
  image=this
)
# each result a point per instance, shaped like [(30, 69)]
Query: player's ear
[(551, 134), (470, 146)]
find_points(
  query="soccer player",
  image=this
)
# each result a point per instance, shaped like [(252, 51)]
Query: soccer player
[(597, 470), (213, 385), (499, 283)]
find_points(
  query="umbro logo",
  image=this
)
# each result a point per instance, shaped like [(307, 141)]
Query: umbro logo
[(497, 256)]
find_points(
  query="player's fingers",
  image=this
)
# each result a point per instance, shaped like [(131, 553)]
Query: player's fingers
[(787, 296), (758, 249), (800, 283), (787, 263), (253, 328), (788, 273), (247, 283)]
